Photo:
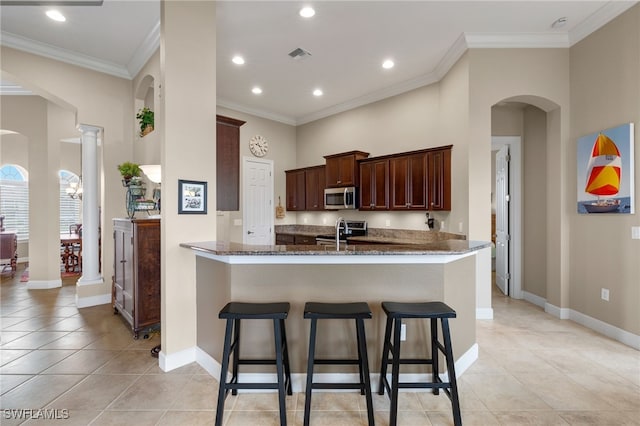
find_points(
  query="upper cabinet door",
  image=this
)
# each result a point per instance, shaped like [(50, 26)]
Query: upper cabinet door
[(342, 169), (374, 185), (408, 182), (439, 166), (227, 163), (295, 183), (315, 182)]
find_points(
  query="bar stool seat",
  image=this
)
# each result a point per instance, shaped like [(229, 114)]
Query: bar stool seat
[(234, 312), (434, 311), (358, 311)]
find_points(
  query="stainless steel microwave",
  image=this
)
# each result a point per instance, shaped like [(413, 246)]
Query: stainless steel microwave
[(340, 198)]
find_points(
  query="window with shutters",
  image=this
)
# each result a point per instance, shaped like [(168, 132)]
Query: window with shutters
[(14, 200)]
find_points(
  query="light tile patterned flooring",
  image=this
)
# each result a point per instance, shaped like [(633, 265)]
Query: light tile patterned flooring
[(533, 369)]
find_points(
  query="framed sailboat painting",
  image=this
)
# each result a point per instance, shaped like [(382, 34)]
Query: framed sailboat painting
[(605, 171)]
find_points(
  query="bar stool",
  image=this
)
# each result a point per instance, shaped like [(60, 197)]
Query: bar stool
[(428, 310), (357, 311), (233, 312)]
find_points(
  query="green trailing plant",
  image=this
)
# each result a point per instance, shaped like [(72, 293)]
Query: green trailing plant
[(129, 170), (146, 118)]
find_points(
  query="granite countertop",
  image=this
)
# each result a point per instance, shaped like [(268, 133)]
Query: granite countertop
[(445, 247), (374, 235)]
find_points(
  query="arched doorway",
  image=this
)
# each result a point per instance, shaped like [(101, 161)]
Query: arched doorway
[(523, 123)]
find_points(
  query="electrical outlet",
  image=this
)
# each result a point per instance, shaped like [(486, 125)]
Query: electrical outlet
[(635, 232), (403, 332), (604, 294), (387, 222), (304, 220)]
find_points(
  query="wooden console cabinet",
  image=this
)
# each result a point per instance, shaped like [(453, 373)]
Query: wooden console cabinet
[(136, 279)]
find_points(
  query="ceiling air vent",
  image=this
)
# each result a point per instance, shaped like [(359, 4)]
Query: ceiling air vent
[(299, 53)]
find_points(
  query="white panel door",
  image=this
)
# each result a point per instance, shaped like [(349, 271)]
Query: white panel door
[(258, 201), (502, 219)]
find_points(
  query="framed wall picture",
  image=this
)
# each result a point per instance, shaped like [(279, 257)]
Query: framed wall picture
[(606, 172), (192, 197)]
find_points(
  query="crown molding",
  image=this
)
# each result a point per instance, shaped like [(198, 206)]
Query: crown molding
[(257, 112), (14, 90), (143, 53), (601, 17), (455, 52), (63, 55), (516, 40)]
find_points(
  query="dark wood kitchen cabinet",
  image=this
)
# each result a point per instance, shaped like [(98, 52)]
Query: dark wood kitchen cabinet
[(314, 188), (227, 163), (136, 279), (342, 169), (296, 190), (408, 181), (439, 167), (374, 184)]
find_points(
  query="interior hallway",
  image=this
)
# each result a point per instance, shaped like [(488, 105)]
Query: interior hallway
[(533, 369)]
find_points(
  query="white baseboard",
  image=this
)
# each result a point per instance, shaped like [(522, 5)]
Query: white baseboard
[(178, 359), (562, 313), (608, 330), (299, 380), (622, 336), (85, 302), (484, 313), (534, 298), (43, 284)]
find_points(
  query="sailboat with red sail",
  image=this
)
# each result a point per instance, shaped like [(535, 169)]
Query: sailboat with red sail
[(603, 176)]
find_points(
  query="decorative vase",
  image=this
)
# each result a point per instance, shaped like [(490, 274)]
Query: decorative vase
[(146, 131)]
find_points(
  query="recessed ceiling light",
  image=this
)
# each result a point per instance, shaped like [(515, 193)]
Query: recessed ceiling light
[(317, 92), (307, 12), (238, 60), (388, 64), (56, 16), (256, 90), (560, 22)]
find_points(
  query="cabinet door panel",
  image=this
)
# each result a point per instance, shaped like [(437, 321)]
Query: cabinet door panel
[(439, 167), (381, 185), (295, 183), (418, 181), (398, 169), (374, 185), (314, 188)]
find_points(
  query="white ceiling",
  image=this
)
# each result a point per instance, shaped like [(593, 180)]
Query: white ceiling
[(348, 42)]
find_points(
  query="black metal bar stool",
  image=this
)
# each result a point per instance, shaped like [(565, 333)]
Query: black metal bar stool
[(429, 310), (234, 312), (357, 311)]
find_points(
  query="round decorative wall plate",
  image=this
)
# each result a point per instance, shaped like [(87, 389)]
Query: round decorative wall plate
[(258, 146)]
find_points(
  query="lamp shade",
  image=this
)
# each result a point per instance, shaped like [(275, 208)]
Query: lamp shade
[(153, 172)]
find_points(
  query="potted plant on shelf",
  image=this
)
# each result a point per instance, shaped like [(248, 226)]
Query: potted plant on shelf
[(129, 171), (145, 118)]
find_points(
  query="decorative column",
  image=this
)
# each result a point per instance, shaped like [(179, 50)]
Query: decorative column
[(90, 220)]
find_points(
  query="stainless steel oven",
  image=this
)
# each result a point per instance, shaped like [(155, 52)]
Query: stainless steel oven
[(340, 198)]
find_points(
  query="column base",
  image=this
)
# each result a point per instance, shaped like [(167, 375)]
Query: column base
[(43, 284), (92, 293)]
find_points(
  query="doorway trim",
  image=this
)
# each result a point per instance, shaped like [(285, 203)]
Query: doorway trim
[(515, 210)]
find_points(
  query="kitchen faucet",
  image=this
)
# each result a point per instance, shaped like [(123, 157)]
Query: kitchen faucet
[(339, 222)]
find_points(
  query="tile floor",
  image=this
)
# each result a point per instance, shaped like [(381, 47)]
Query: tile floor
[(533, 369)]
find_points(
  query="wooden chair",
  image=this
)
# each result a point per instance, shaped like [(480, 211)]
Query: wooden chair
[(9, 251)]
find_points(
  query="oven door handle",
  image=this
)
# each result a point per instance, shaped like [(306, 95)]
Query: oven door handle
[(344, 198)]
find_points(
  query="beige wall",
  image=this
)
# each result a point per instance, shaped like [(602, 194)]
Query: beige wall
[(605, 88), (534, 221), (186, 124), (539, 77)]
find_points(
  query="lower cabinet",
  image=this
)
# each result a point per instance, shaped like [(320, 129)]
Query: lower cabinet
[(136, 279), (292, 239)]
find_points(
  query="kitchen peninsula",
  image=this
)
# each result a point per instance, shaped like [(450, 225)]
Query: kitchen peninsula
[(440, 270)]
